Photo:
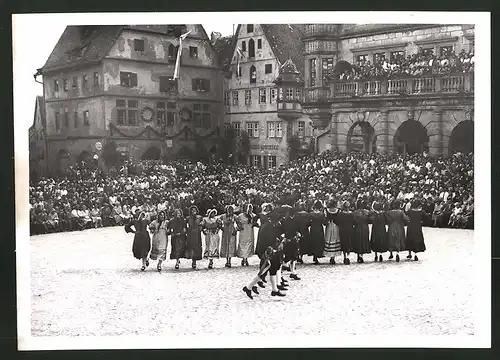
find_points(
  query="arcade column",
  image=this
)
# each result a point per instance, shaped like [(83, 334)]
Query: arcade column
[(383, 141), (435, 132)]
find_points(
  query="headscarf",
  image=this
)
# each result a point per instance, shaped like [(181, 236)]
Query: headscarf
[(193, 207)]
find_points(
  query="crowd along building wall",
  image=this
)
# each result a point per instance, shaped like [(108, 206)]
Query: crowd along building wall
[(374, 115)]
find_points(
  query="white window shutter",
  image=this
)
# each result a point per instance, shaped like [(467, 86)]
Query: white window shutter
[(261, 129)]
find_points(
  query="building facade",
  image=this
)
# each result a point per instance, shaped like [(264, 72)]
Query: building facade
[(252, 97), (115, 83), (37, 143), (417, 113)]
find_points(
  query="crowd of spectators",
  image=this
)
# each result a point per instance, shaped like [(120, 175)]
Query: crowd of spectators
[(87, 197), (425, 62)]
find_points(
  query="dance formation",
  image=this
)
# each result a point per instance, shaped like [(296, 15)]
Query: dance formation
[(285, 235)]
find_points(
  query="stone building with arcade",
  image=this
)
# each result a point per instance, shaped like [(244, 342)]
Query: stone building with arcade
[(433, 113), (115, 83)]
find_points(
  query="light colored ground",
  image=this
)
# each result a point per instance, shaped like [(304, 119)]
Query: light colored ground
[(87, 283)]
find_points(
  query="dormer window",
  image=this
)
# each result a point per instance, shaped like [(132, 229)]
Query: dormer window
[(250, 28)]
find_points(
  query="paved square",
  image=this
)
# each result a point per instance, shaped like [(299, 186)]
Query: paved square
[(87, 283)]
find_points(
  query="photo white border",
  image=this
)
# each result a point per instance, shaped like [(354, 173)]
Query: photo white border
[(482, 172)]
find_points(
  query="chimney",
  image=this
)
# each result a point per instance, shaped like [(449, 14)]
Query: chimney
[(214, 36)]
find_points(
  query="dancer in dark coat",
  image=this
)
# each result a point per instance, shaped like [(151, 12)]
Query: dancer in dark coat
[(178, 227), (361, 231), (290, 247), (345, 221), (193, 243), (414, 235), (303, 220), (142, 241), (318, 219), (396, 220), (378, 236)]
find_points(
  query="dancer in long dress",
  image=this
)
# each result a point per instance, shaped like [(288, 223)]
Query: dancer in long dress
[(345, 222), (414, 235), (396, 219), (178, 228), (303, 219), (318, 219), (229, 230), (361, 232), (142, 241), (378, 237), (332, 238), (159, 229), (246, 221), (211, 226), (193, 243)]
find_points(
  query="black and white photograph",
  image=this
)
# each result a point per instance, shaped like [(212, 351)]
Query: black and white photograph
[(184, 180)]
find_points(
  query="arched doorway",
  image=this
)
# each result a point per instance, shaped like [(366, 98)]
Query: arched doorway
[(251, 48), (185, 153), (84, 156), (153, 153), (62, 161), (462, 138), (360, 137), (411, 138)]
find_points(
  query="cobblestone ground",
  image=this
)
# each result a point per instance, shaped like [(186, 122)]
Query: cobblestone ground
[(87, 283)]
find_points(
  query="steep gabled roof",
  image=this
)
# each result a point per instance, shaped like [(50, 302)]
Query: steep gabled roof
[(39, 107), (224, 47), (82, 44), (85, 44), (285, 41)]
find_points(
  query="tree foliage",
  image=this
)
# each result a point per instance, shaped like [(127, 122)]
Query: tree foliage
[(243, 146), (227, 146), (293, 147)]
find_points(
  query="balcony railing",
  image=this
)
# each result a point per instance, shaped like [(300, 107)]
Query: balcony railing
[(449, 83), (317, 95), (320, 29)]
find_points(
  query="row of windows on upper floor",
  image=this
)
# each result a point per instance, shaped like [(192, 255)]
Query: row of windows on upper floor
[(287, 94), (139, 47), (129, 80), (268, 69), (274, 129), (251, 47), (127, 114), (327, 63)]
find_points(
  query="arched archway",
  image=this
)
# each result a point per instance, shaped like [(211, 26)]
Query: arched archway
[(153, 153), (253, 75), (462, 138), (84, 156), (251, 48), (411, 138), (185, 153), (360, 137), (62, 161)]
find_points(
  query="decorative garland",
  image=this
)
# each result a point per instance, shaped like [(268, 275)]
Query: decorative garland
[(149, 128)]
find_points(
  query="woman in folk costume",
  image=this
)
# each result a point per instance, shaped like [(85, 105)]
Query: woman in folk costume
[(159, 229), (345, 222), (193, 243), (211, 226), (396, 219), (246, 221), (178, 228), (142, 241), (378, 237), (332, 238), (361, 231), (414, 235), (291, 243), (229, 230), (303, 219), (318, 219), (263, 268)]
